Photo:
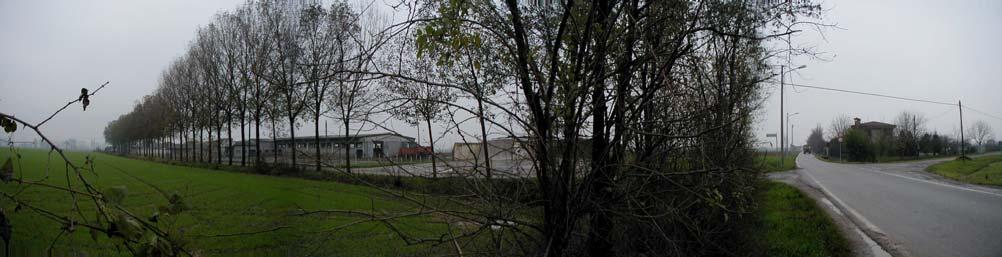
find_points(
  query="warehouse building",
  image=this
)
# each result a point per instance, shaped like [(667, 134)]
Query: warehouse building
[(361, 146)]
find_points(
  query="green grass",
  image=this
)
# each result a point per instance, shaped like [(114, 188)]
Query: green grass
[(771, 162), (222, 203), (788, 223), (889, 159), (986, 170)]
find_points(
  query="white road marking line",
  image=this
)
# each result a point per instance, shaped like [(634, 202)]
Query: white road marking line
[(875, 248), (935, 183), (852, 211)]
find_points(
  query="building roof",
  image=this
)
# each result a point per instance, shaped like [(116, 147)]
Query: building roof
[(251, 142), (311, 138), (874, 125), (357, 136)]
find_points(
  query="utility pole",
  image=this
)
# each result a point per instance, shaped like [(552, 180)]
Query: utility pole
[(915, 136), (791, 134), (961, 107), (782, 137), (782, 86)]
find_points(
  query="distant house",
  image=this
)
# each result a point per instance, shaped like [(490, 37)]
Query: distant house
[(874, 130)]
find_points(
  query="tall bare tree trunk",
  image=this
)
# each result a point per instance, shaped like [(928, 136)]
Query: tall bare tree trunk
[(229, 134), (257, 136), (180, 141), (209, 129), (316, 130), (292, 132), (599, 235), (483, 136), (219, 143), (431, 143), (201, 148), (347, 146), (243, 140), (184, 153), (170, 146), (257, 122), (274, 141)]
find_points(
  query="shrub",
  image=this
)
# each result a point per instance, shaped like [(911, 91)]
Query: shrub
[(858, 147)]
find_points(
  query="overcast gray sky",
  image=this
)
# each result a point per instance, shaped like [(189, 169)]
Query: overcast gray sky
[(936, 50), (50, 49)]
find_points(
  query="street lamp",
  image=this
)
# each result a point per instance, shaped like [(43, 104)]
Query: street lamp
[(782, 86), (783, 155)]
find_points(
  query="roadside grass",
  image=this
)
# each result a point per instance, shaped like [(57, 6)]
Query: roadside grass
[(986, 170), (223, 203), (788, 223), (771, 162), (891, 159)]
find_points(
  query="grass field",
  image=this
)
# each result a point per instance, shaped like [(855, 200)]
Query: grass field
[(788, 223), (222, 203), (985, 170), (771, 162)]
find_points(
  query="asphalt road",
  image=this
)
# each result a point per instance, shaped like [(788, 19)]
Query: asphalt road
[(923, 214)]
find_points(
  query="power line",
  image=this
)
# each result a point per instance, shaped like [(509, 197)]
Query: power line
[(981, 112), (896, 97), (872, 94)]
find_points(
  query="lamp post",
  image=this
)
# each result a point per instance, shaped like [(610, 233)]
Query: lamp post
[(782, 86), (791, 139), (782, 157)]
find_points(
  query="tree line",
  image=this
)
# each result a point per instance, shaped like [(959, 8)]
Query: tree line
[(635, 116), (271, 64), (910, 138)]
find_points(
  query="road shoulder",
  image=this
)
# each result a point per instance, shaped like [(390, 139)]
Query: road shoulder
[(862, 244)]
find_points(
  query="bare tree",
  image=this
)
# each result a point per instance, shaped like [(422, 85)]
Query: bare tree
[(233, 85), (327, 33), (839, 126), (980, 132), (354, 93), (254, 47), (911, 122), (421, 101), (281, 20), (816, 139)]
